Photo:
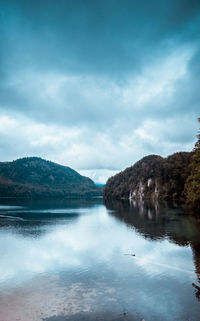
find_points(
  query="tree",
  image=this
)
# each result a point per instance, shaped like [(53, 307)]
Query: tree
[(192, 185)]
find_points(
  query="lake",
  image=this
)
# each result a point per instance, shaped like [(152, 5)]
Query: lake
[(84, 260)]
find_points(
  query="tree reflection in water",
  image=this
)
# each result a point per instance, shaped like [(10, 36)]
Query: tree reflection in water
[(155, 221)]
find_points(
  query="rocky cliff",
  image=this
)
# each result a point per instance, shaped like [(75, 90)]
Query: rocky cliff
[(153, 177)]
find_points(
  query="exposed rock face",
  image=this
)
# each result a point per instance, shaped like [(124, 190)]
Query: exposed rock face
[(36, 177), (153, 177)]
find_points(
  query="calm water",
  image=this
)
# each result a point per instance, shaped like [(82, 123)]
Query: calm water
[(74, 260)]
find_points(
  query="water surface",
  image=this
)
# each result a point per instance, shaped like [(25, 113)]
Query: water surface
[(83, 260)]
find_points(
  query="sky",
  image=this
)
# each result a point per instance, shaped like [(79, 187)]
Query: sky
[(98, 84)]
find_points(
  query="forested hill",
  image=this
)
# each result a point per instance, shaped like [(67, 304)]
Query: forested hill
[(153, 177), (36, 177), (192, 186)]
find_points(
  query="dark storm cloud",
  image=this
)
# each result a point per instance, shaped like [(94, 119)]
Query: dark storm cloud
[(109, 37)]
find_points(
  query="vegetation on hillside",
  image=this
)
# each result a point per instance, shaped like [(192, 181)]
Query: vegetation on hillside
[(36, 177), (153, 177), (176, 177), (192, 186)]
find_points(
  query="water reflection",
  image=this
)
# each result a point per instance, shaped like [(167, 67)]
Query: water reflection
[(64, 260), (159, 220), (196, 255), (162, 220), (31, 217)]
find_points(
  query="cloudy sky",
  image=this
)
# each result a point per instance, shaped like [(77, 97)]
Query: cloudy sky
[(98, 84)]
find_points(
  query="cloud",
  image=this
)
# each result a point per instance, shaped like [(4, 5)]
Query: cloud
[(94, 36), (98, 84)]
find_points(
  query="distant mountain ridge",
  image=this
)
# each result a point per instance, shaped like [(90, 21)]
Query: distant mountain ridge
[(153, 177), (36, 177)]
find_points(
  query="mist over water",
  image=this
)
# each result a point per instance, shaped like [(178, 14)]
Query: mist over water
[(85, 260)]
